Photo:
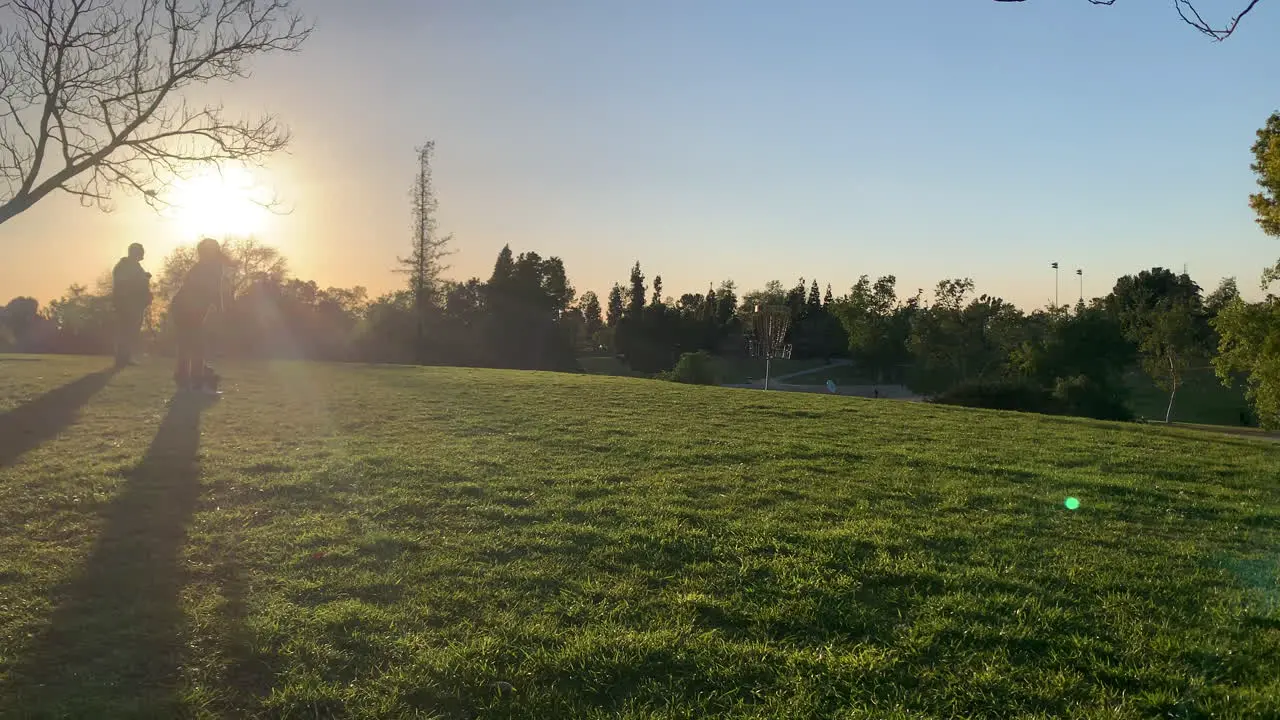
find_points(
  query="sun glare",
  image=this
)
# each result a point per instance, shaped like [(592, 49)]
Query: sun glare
[(218, 203)]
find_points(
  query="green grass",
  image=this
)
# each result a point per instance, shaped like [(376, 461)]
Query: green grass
[(606, 365), (383, 542), (740, 370), (1203, 399), (730, 369)]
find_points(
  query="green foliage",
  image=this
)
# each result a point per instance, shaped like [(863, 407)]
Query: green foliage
[(1080, 396), (1266, 154), (695, 368), (343, 541), (1057, 345), (20, 323), (1249, 342), (522, 324), (635, 305), (616, 308), (591, 314), (84, 320), (999, 395), (1084, 396), (952, 342), (876, 326), (1202, 398), (1163, 315), (1227, 292)]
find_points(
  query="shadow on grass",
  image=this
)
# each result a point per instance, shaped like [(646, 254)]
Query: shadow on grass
[(27, 426), (112, 647)]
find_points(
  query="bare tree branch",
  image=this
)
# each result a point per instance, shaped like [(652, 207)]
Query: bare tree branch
[(1187, 11), (1198, 22), (91, 93)]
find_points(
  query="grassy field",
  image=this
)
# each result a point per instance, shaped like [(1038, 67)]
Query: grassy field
[(383, 542), (730, 370)]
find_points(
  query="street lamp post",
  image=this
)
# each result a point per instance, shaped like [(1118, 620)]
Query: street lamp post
[(1055, 285), (1080, 272)]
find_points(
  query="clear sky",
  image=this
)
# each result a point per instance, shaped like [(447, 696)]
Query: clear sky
[(714, 139)]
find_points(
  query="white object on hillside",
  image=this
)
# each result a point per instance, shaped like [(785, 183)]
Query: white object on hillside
[(831, 386)]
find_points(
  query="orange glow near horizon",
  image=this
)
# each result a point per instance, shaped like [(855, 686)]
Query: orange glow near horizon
[(218, 203)]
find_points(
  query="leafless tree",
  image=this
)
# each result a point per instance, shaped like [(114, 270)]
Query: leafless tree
[(92, 93), (1187, 11), (429, 248)]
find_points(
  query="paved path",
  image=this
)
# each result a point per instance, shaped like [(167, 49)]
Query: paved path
[(886, 392), (810, 371)]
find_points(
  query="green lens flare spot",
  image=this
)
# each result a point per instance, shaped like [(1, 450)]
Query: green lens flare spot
[(1072, 504)]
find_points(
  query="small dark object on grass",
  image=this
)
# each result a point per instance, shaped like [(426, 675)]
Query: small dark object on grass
[(207, 382), (504, 689)]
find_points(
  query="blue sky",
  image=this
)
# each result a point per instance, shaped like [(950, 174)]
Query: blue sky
[(753, 141)]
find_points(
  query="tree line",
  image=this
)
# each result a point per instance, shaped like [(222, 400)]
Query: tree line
[(954, 344), (951, 345)]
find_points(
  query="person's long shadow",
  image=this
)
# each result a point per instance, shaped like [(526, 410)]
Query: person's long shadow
[(27, 426), (113, 646)]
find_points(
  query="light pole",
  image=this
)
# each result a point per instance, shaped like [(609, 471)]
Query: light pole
[(1055, 285), (1080, 272)]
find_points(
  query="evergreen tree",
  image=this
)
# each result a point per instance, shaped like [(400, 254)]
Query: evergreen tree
[(828, 298), (795, 299), (727, 299), (615, 308), (815, 300), (504, 268), (591, 313), (657, 290), (636, 307), (555, 281)]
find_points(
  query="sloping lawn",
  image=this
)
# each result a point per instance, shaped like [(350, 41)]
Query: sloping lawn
[(389, 542)]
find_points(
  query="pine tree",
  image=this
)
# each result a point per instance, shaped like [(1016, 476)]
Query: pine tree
[(615, 309), (505, 267), (636, 308), (591, 313), (815, 301), (423, 265), (657, 290), (828, 298), (727, 299)]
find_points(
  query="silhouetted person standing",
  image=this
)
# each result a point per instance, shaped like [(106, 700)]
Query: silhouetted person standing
[(130, 295), (201, 290)]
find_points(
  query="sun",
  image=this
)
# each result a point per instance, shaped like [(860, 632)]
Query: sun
[(218, 203)]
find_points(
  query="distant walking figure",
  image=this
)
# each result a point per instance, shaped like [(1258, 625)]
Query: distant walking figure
[(201, 290), (130, 296)]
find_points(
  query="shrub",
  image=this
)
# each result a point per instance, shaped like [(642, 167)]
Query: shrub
[(695, 368), (1000, 395), (1085, 397), (1079, 395)]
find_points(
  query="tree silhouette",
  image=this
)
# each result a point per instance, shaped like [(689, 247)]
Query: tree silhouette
[(91, 93), (1187, 11)]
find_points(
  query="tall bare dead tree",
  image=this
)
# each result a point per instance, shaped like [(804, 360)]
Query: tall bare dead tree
[(91, 93), (428, 248), (1187, 11)]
